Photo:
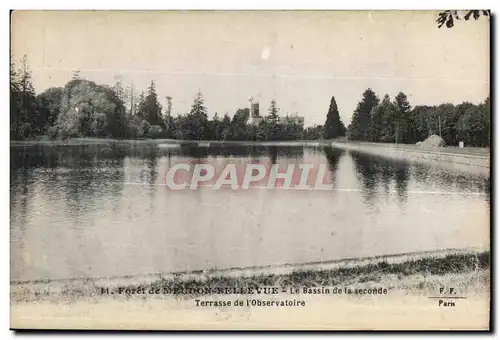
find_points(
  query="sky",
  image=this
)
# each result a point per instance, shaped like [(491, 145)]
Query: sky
[(299, 58)]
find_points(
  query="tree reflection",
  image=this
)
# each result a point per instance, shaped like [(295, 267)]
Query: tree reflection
[(148, 159), (374, 171), (402, 176), (21, 197), (85, 175), (333, 156), (273, 154), (28, 157), (365, 168)]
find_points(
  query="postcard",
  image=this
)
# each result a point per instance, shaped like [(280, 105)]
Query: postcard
[(250, 170)]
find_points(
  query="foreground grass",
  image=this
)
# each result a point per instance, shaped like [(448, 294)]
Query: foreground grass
[(450, 265), (463, 270)]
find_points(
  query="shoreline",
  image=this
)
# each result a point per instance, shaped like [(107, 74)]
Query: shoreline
[(373, 269), (475, 160), (173, 142), (481, 153)]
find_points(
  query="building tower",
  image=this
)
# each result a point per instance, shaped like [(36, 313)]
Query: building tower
[(169, 106), (250, 105)]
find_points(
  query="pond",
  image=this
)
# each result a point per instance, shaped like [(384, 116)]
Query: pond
[(101, 211)]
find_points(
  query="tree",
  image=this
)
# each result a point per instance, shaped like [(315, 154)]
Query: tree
[(420, 122), (117, 118), (225, 128), (402, 123), (140, 100), (273, 112), (270, 128), (150, 108), (313, 132), (27, 110), (333, 125), (359, 129), (49, 107), (388, 132), (14, 101), (443, 121), (84, 104), (195, 125), (381, 115), (75, 79), (473, 126), (119, 89), (448, 17), (252, 132), (239, 124), (169, 126), (212, 128), (486, 112)]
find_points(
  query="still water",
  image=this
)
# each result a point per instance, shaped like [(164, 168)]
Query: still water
[(98, 211)]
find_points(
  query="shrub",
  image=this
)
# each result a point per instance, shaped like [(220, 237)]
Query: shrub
[(144, 127), (25, 130)]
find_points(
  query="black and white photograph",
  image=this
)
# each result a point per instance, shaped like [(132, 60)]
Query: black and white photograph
[(250, 170)]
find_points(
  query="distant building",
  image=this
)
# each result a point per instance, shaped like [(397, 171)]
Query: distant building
[(292, 119), (155, 129), (254, 110), (256, 118), (168, 110)]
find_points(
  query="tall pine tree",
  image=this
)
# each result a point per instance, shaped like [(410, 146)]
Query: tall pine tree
[(27, 101), (273, 112), (14, 101), (333, 125), (402, 119), (197, 120), (198, 108), (359, 129), (272, 122), (380, 115), (150, 108)]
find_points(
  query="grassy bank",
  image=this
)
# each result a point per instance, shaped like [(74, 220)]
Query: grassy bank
[(465, 270), (472, 151), (475, 160)]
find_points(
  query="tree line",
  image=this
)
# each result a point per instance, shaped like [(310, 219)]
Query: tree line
[(82, 108), (397, 122)]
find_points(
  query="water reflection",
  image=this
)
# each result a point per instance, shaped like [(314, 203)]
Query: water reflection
[(379, 175), (374, 172), (83, 210), (273, 154), (84, 175), (333, 157), (194, 151)]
